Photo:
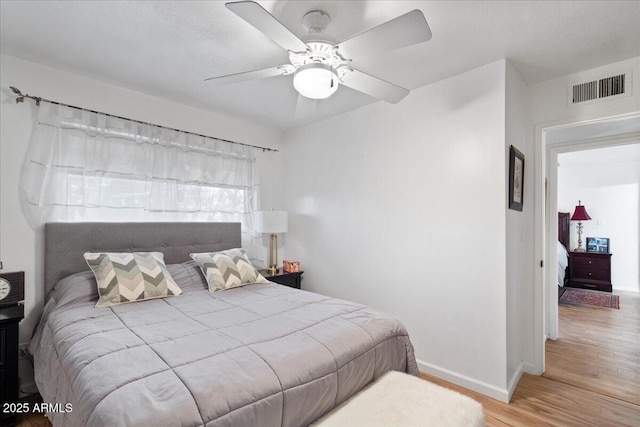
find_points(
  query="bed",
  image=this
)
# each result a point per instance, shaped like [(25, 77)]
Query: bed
[(260, 354), (563, 244)]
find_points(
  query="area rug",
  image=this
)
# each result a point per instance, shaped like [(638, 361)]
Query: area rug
[(587, 297)]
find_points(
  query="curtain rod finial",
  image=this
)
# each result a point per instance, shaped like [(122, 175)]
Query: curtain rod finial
[(20, 98)]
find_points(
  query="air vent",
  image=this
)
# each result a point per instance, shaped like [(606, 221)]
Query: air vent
[(585, 91), (598, 89), (611, 86)]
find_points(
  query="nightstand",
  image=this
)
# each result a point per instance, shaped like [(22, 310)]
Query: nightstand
[(293, 280), (9, 319), (590, 270)]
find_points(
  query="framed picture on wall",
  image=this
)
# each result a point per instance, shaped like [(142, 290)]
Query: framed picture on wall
[(516, 179)]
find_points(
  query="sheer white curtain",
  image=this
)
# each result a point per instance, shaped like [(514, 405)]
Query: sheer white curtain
[(86, 166)]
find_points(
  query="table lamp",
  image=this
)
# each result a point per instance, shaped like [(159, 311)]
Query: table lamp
[(580, 214), (272, 222)]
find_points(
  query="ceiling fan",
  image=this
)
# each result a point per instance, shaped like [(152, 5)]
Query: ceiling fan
[(319, 67)]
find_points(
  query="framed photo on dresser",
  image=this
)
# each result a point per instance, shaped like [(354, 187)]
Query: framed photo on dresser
[(598, 245)]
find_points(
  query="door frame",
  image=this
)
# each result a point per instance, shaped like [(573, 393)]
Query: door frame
[(545, 222)]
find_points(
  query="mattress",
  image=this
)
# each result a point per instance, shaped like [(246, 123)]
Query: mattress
[(261, 354)]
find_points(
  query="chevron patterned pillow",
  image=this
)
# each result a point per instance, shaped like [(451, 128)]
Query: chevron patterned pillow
[(130, 276), (227, 269)]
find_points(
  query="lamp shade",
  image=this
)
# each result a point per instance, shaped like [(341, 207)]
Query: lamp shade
[(580, 214), (272, 221)]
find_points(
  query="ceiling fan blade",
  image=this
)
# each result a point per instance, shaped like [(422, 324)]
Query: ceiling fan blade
[(405, 30), (257, 16), (374, 86), (280, 70)]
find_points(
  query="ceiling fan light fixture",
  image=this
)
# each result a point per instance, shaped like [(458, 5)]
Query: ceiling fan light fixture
[(315, 81)]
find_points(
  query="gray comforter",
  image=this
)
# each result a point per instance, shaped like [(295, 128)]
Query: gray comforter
[(259, 355)]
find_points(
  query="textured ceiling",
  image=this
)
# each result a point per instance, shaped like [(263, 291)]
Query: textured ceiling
[(167, 48)]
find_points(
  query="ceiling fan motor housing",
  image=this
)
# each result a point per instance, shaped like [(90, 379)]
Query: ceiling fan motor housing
[(320, 52)]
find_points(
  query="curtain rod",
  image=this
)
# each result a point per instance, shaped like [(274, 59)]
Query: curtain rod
[(20, 98)]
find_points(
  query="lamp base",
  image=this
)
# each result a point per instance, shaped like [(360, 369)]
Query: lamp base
[(579, 228), (273, 255)]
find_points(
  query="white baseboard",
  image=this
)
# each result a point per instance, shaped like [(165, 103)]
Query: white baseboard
[(529, 368), (513, 382), (492, 391)]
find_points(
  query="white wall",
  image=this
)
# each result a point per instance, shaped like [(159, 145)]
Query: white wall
[(611, 194), (20, 247), (402, 207), (519, 235)]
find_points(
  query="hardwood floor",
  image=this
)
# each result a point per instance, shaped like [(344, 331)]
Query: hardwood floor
[(592, 375)]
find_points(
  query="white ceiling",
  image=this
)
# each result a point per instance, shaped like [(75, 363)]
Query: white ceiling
[(167, 48)]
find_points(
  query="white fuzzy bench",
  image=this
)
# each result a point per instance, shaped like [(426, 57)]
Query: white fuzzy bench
[(402, 400)]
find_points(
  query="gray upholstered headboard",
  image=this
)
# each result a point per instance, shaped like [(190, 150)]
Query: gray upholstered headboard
[(65, 243)]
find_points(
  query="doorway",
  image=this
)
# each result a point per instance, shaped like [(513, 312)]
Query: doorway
[(611, 132), (553, 140)]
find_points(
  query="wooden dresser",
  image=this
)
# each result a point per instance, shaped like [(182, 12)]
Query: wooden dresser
[(590, 271)]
